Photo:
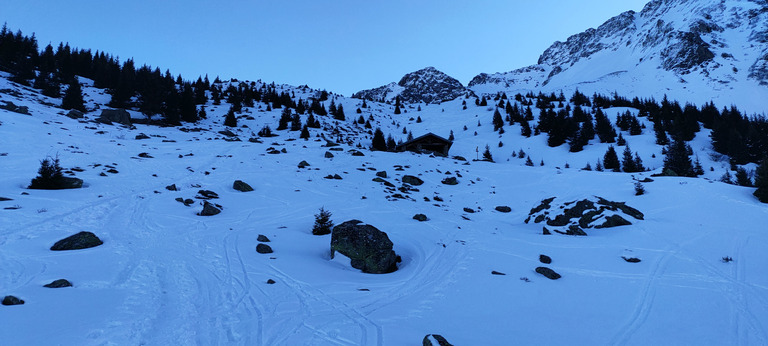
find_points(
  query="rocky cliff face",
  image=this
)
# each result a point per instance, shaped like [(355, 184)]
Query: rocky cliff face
[(673, 44), (426, 85)]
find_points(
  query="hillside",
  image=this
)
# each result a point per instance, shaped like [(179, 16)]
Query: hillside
[(697, 51), (168, 276)]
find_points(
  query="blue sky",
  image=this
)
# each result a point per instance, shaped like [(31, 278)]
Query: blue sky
[(340, 45)]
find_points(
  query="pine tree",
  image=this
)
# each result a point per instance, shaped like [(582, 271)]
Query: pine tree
[(742, 177), (451, 137), (49, 176), (295, 121), (304, 132), (323, 223), (677, 161), (529, 162), (391, 144), (628, 162), (73, 97), (285, 118), (230, 119), (603, 127), (487, 154), (379, 143), (187, 108), (498, 122), (761, 181), (611, 160)]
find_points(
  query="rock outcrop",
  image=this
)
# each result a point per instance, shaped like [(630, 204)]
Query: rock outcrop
[(368, 248)]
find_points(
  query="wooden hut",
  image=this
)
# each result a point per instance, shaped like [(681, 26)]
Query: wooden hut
[(428, 143)]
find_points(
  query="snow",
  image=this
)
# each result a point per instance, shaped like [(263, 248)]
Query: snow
[(165, 275)]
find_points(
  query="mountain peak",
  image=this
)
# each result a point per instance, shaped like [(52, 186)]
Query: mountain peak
[(428, 85)]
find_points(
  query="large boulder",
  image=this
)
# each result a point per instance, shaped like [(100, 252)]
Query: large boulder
[(368, 248), (75, 114), (11, 300), (573, 217), (241, 186), (120, 116), (59, 283), (547, 272), (209, 209), (82, 240)]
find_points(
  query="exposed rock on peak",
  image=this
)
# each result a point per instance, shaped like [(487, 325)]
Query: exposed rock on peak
[(427, 85)]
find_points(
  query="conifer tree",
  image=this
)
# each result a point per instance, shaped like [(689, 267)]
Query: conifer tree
[(742, 177), (677, 161), (498, 122), (230, 119), (323, 223), (628, 162), (611, 160), (285, 118), (391, 144), (487, 154), (761, 181), (379, 143), (451, 136), (187, 108), (49, 176), (304, 132), (73, 97), (295, 121)]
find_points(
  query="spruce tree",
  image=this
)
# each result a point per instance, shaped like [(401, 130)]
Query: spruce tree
[(611, 160), (295, 122), (304, 132), (230, 119), (498, 122), (49, 176), (742, 177), (761, 181), (487, 154), (323, 223), (379, 143), (73, 97), (677, 161)]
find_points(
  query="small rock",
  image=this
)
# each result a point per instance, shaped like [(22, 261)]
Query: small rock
[(549, 273), (328, 155), (263, 248), (241, 186), (81, 240), (545, 259), (59, 284), (337, 177), (145, 155), (412, 180), (207, 194), (11, 300), (631, 259), (469, 210), (497, 273), (75, 114), (270, 282), (209, 209), (141, 136), (356, 153), (503, 209), (303, 164), (450, 181), (262, 238), (382, 174), (420, 217)]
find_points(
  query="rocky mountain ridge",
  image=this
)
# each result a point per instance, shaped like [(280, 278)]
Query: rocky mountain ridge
[(697, 50), (428, 85)]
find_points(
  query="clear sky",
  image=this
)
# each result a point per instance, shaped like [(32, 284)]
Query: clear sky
[(339, 45)]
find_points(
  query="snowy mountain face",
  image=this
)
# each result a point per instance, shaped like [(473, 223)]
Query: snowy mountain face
[(427, 85), (691, 49)]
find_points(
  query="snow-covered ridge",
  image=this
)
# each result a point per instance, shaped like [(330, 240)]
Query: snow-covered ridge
[(693, 50), (427, 85)]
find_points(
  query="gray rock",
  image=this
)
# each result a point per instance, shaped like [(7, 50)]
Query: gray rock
[(549, 273), (450, 181), (75, 114), (631, 259), (241, 186), (209, 209), (59, 284), (328, 155), (263, 248), (303, 164), (81, 240), (172, 187), (503, 209), (420, 217), (11, 300), (614, 221), (207, 194), (412, 180), (369, 249), (141, 136), (469, 210), (545, 259), (382, 174), (120, 116), (262, 238), (435, 340)]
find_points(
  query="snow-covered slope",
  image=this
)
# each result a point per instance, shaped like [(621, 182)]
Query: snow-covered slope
[(427, 85), (692, 50), (165, 275)]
